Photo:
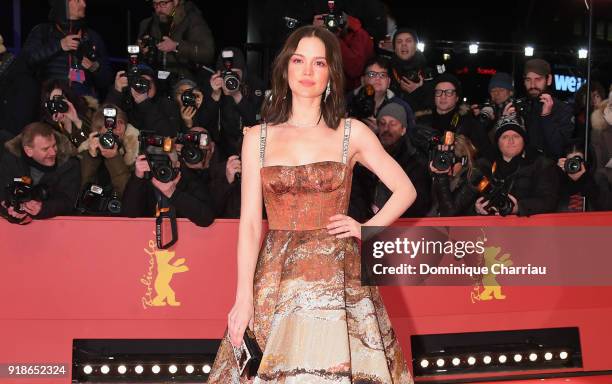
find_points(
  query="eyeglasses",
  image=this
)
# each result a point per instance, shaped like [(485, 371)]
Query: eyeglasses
[(374, 74), (446, 92), (163, 3)]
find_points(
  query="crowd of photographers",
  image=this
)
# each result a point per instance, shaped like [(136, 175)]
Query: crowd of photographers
[(165, 132)]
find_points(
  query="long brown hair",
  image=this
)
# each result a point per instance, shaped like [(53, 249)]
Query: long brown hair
[(277, 105)]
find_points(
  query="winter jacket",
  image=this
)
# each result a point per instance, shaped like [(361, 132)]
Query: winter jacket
[(601, 137), (62, 182), (550, 134), (455, 195), (357, 48)]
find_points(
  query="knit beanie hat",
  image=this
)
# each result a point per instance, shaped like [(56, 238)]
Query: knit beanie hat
[(510, 123), (394, 110)]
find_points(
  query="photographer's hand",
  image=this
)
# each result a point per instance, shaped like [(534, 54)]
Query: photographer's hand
[(121, 81), (514, 204), (509, 110), (187, 114), (574, 176), (409, 86), (216, 82), (199, 98), (110, 153), (317, 21), (479, 206), (547, 104), (94, 144), (167, 189), (70, 42), (32, 207), (73, 115), (167, 45), (89, 65), (11, 211), (233, 166), (138, 97), (141, 166)]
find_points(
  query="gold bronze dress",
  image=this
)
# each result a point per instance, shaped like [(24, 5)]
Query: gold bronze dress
[(314, 321)]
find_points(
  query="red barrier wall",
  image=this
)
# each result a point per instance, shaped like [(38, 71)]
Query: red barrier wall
[(71, 277)]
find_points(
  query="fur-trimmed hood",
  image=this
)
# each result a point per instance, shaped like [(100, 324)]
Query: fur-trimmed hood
[(129, 148), (601, 117), (65, 149)]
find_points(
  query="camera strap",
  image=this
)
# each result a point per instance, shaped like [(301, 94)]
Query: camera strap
[(165, 215)]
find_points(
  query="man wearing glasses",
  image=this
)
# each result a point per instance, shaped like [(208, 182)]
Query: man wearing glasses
[(449, 115), (178, 30), (377, 75)]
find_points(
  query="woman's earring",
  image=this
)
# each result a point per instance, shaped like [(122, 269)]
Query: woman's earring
[(327, 91)]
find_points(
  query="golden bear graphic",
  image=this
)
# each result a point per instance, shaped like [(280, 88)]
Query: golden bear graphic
[(492, 289), (165, 271)]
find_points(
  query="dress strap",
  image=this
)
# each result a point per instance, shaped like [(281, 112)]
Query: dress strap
[(262, 143), (345, 141)]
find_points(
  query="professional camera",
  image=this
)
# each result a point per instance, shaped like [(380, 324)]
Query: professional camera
[(363, 104), (56, 104), (156, 149), (487, 112), (108, 139), (443, 160), (21, 190), (573, 164), (98, 200), (494, 190), (136, 81), (291, 23), (192, 152), (230, 79), (411, 73), (333, 20), (152, 55), (188, 98), (522, 106), (86, 49)]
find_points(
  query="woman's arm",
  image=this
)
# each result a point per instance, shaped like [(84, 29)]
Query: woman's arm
[(369, 152), (249, 236)]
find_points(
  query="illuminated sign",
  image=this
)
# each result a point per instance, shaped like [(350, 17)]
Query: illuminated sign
[(568, 83)]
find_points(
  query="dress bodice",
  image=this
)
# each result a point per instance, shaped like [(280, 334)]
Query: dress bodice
[(304, 197)]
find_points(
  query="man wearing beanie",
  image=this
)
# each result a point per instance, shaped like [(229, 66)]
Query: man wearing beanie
[(407, 66), (500, 91), (548, 120), (448, 115), (369, 193), (529, 178), (66, 49)]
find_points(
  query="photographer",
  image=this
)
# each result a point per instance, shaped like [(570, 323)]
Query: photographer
[(448, 115), (453, 186), (145, 108), (370, 194), (364, 106), (189, 192), (237, 97), (189, 99), (65, 48), (407, 70), (180, 35), (67, 113), (109, 167), (356, 44), (501, 91), (51, 176), (548, 120), (530, 182)]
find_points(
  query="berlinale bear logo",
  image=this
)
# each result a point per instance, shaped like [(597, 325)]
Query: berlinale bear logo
[(490, 287), (159, 276)]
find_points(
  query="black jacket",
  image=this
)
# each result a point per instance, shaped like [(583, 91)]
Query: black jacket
[(532, 179), (44, 53), (422, 98), (367, 189), (550, 134), (62, 183), (456, 200), (158, 114)]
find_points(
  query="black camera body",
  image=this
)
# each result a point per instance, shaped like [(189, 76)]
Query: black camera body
[(86, 49), (21, 190), (486, 109), (231, 81), (443, 160), (108, 139), (192, 152), (333, 20), (188, 98), (411, 73), (363, 104), (160, 163), (494, 190), (136, 80), (573, 164), (56, 104), (97, 200), (153, 55)]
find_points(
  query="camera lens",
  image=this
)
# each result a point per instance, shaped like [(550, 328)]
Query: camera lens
[(192, 155), (573, 165), (107, 140), (114, 206), (232, 83), (163, 173)]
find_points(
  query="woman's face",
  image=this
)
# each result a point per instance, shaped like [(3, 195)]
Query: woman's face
[(308, 72)]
